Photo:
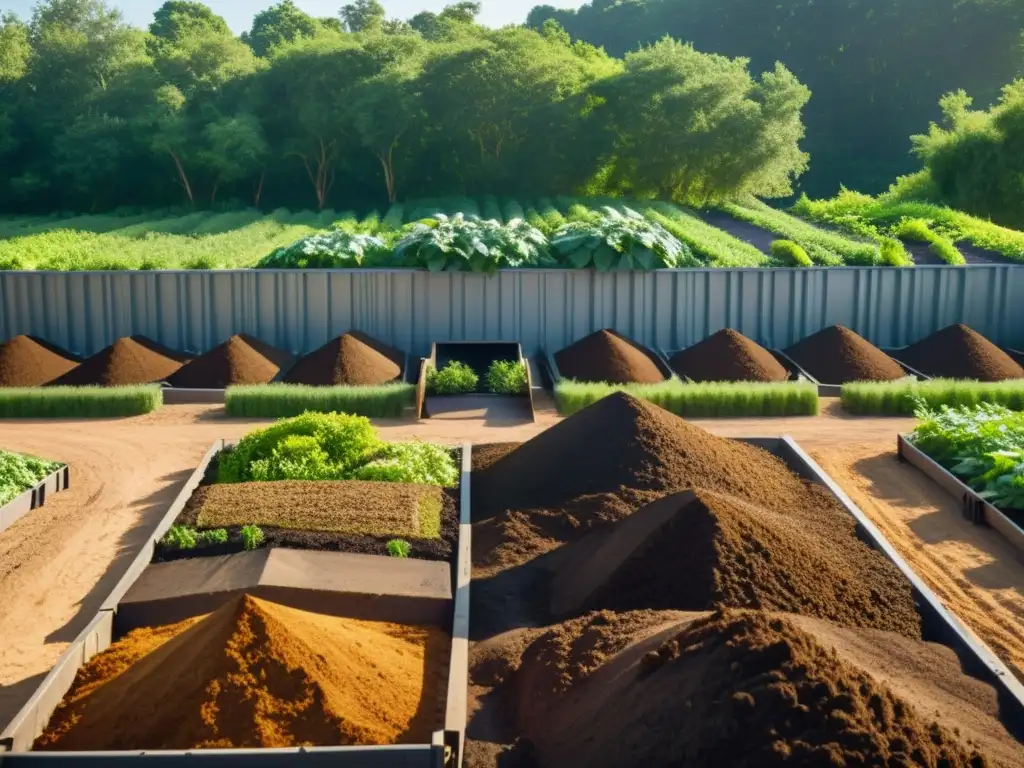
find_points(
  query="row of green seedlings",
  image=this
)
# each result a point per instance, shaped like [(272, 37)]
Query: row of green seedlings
[(904, 397), (504, 377), (184, 538), (282, 400), (78, 402)]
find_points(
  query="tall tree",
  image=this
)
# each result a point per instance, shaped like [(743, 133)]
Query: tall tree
[(177, 20), (363, 15), (281, 23)]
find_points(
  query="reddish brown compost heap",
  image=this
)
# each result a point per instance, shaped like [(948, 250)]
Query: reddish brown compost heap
[(733, 689), (256, 674), (728, 355), (607, 356), (130, 360), (353, 359), (242, 359), (958, 352), (26, 361), (837, 355)]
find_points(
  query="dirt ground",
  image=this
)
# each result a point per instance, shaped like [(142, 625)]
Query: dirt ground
[(58, 563)]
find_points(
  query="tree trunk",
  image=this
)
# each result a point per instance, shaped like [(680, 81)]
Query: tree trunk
[(182, 177), (259, 189), (322, 175), (213, 194), (387, 163)]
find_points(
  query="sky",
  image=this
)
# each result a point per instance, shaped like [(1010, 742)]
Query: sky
[(239, 13)]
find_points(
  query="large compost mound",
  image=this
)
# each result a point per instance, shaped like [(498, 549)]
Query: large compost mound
[(26, 361), (728, 355), (607, 356), (353, 359), (130, 360), (256, 674), (242, 359), (837, 355), (695, 551), (959, 352), (743, 689)]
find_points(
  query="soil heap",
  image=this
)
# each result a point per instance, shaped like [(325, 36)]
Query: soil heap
[(130, 360), (26, 361), (837, 355), (255, 674), (958, 352), (353, 359), (607, 356), (728, 355), (733, 689), (242, 359)]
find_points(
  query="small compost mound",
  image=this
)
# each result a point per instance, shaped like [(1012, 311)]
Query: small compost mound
[(959, 352), (738, 554), (353, 359), (26, 361), (607, 356), (837, 355), (242, 359), (728, 355), (256, 674), (130, 360), (755, 688)]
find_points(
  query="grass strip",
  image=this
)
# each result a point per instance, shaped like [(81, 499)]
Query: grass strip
[(901, 398), (280, 400), (708, 399), (79, 402)]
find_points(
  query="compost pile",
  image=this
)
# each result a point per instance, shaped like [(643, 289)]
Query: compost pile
[(959, 352), (609, 357), (353, 359), (255, 674), (242, 359), (130, 360), (837, 355), (26, 361), (728, 355), (732, 689)]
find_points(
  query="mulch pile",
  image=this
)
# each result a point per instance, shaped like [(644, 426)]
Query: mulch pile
[(130, 360), (242, 359), (733, 689), (26, 361), (256, 674), (958, 352), (728, 355), (837, 355), (607, 356), (353, 359)]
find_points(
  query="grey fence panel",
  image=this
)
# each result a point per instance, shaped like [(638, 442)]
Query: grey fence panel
[(300, 310)]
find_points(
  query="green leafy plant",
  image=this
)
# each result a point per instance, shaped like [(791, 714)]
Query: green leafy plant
[(252, 537), (181, 537), (468, 243), (327, 250), (507, 377), (617, 240), (455, 378), (411, 462), (212, 536), (19, 472), (788, 252), (399, 548)]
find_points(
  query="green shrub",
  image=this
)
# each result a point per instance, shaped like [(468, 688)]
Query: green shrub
[(181, 537), (619, 241), (507, 377), (213, 536), (335, 249), (413, 462), (466, 243), (399, 548), (788, 252), (280, 400), (252, 537), (19, 472), (903, 397), (78, 402), (456, 378)]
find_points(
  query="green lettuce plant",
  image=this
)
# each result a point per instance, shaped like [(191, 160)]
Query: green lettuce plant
[(471, 244), (615, 240), (336, 249)]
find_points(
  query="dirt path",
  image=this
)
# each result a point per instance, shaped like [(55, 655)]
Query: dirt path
[(973, 570)]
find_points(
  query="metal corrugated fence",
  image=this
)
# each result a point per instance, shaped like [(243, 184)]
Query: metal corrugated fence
[(300, 310)]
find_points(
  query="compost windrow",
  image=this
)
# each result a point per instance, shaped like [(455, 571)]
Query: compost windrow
[(257, 674), (26, 361), (728, 355), (129, 360), (607, 356), (353, 359), (837, 355), (959, 352), (242, 359)]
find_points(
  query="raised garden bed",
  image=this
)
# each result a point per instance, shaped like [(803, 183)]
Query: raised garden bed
[(459, 378), (34, 497)]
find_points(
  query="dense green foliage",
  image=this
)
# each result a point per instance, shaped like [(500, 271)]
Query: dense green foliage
[(470, 244), (712, 246), (704, 400), (454, 379), (983, 445), (281, 400), (78, 402), (903, 397), (335, 249), (507, 377), (876, 67), (306, 112), (920, 231), (788, 252), (613, 240), (252, 537), (185, 537), (332, 446), (19, 472)]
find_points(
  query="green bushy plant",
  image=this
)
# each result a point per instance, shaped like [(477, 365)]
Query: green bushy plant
[(455, 378), (617, 240), (336, 249), (252, 537), (212, 536), (471, 244), (412, 462), (181, 537), (920, 231), (399, 548), (507, 377), (19, 472), (788, 252)]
